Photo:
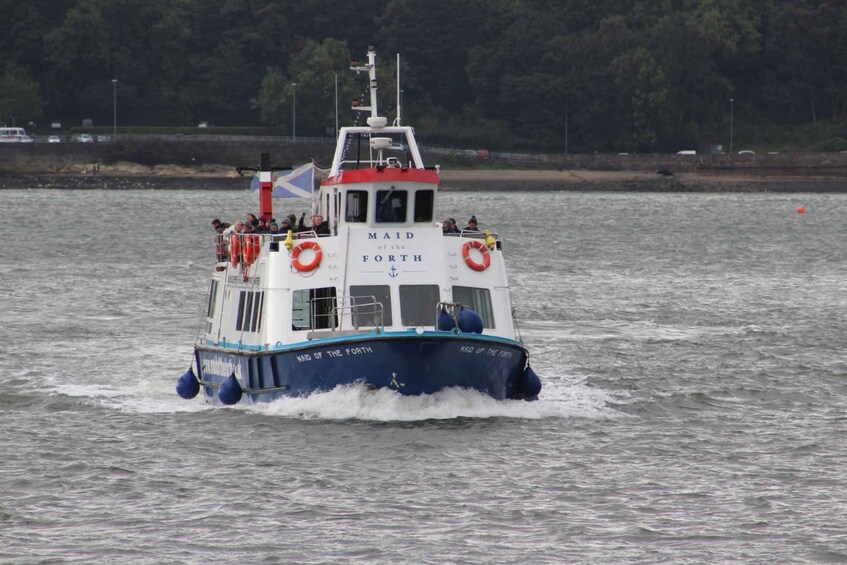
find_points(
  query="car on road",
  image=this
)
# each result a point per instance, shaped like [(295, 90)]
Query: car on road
[(54, 139), (83, 138)]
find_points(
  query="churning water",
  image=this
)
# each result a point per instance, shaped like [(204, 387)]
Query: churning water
[(691, 347)]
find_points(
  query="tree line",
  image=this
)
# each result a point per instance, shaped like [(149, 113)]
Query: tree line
[(548, 75)]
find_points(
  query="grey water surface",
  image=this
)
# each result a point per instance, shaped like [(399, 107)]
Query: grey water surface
[(691, 346)]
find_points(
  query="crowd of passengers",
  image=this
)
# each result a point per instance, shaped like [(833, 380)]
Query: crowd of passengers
[(449, 226), (252, 224), (262, 224)]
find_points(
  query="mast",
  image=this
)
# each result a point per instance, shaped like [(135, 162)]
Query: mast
[(399, 97), (373, 86)]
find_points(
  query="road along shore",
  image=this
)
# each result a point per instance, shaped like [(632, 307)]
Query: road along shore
[(225, 178)]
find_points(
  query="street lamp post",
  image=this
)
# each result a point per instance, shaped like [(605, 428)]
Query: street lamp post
[(114, 109), (731, 125), (294, 112)]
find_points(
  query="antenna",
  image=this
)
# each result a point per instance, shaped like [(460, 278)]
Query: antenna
[(399, 97)]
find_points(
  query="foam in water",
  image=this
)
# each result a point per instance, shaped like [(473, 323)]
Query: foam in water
[(357, 403), (561, 397)]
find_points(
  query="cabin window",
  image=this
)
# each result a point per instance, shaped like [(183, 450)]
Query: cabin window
[(356, 207), (213, 295), (314, 309), (391, 205), (368, 294), (478, 300), (249, 317), (418, 304), (424, 205), (258, 303)]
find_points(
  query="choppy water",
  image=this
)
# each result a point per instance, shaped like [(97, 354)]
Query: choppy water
[(692, 349)]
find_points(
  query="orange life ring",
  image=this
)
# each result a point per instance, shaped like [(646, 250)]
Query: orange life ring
[(252, 247), (486, 256), (234, 249), (295, 253)]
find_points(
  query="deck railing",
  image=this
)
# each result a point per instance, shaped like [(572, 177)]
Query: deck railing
[(353, 313)]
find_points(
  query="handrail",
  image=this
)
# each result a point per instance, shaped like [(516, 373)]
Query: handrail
[(361, 311)]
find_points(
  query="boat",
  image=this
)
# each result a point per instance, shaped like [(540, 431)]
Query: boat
[(386, 299)]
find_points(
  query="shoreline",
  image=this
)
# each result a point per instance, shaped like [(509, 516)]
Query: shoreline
[(465, 180)]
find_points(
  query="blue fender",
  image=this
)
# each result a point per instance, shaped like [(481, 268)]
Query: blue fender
[(445, 321), (469, 321), (187, 386), (529, 384), (230, 391)]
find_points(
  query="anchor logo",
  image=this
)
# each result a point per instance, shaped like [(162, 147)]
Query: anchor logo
[(393, 272), (394, 382)]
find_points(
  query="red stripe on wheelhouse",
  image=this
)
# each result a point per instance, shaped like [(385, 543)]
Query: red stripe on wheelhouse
[(388, 174)]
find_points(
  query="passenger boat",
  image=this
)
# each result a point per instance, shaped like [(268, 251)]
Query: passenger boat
[(385, 300)]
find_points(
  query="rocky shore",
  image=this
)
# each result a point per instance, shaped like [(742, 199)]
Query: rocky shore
[(194, 162), (216, 177)]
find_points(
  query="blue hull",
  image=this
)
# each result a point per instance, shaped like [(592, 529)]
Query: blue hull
[(409, 363)]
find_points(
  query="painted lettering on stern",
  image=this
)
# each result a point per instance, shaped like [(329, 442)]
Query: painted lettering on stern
[(334, 353), (487, 351)]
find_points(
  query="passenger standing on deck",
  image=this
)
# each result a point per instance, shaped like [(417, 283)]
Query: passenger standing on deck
[(285, 225), (472, 225), (319, 226), (262, 227), (219, 226), (221, 240)]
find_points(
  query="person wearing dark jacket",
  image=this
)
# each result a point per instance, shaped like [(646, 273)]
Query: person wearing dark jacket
[(319, 225), (219, 226)]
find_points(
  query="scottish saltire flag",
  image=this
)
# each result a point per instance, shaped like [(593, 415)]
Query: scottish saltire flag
[(299, 183)]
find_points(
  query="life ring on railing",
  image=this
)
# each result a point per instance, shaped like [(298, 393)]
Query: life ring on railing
[(234, 249), (486, 256), (295, 254), (251, 249), (257, 246)]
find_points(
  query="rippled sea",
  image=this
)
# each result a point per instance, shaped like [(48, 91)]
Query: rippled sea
[(694, 410)]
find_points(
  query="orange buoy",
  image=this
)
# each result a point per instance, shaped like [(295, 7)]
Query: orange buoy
[(801, 210)]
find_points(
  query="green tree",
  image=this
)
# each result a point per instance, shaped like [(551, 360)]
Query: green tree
[(640, 83), (20, 99), (314, 70)]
